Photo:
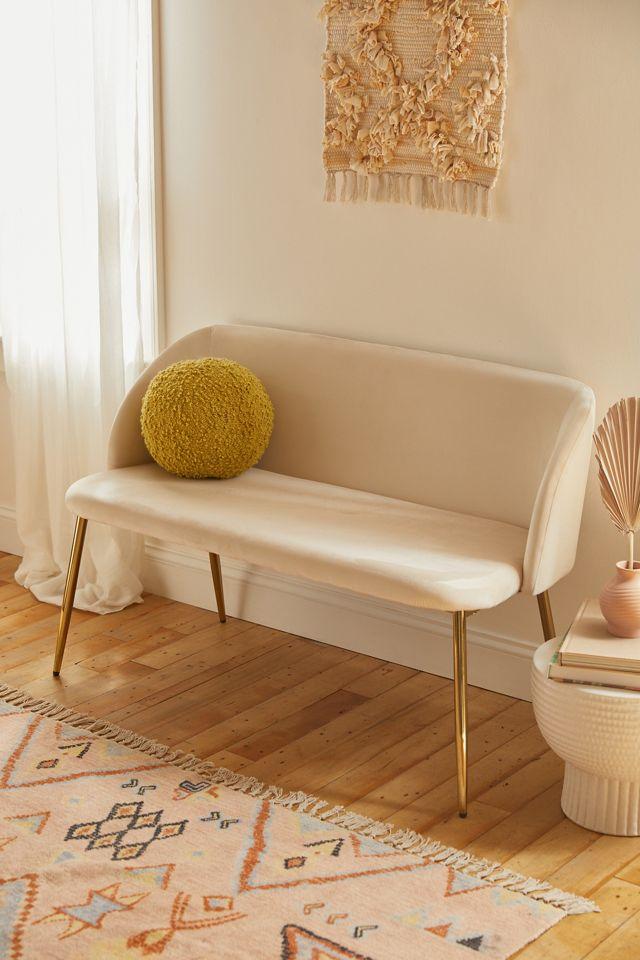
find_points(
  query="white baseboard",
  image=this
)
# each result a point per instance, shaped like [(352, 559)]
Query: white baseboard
[(416, 638), (9, 540)]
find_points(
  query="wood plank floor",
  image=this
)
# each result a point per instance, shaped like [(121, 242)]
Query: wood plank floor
[(350, 728)]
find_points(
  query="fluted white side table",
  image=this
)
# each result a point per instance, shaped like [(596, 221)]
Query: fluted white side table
[(596, 731)]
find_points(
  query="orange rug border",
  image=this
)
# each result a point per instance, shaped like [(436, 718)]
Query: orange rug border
[(384, 832)]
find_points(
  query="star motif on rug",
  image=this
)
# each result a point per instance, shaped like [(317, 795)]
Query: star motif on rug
[(92, 912)]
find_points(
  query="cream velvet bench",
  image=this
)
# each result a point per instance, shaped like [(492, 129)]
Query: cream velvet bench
[(422, 479)]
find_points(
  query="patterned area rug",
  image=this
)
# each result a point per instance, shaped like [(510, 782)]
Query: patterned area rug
[(116, 847)]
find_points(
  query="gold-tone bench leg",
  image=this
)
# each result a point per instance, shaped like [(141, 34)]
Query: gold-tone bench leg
[(216, 573), (69, 592), (546, 616), (460, 704)]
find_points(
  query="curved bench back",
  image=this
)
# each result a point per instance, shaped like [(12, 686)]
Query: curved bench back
[(463, 435)]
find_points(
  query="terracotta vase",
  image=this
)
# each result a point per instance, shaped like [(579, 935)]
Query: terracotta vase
[(620, 601)]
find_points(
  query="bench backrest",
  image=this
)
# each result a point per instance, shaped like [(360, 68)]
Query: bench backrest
[(460, 434)]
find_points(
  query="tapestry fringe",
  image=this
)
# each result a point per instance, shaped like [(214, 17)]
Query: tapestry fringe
[(406, 840), (458, 196)]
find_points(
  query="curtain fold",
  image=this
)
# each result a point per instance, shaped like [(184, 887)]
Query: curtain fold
[(74, 169)]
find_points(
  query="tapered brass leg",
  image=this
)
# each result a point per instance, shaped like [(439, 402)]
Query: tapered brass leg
[(546, 616), (460, 704), (69, 592), (216, 573)]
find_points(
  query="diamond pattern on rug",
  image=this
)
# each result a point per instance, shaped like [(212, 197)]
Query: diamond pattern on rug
[(120, 825)]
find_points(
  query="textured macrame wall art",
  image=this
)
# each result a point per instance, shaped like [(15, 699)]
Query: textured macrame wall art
[(414, 101)]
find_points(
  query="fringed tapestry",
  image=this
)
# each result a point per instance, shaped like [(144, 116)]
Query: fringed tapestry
[(414, 101)]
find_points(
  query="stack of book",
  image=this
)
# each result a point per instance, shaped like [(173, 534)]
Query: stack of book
[(589, 654)]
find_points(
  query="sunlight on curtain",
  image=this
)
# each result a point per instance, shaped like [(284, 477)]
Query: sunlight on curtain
[(76, 266)]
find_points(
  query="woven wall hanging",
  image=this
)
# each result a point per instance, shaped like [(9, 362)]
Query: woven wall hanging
[(414, 101)]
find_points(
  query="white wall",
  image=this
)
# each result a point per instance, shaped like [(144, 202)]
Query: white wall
[(551, 283)]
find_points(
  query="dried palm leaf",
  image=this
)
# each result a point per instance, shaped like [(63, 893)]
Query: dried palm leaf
[(617, 442)]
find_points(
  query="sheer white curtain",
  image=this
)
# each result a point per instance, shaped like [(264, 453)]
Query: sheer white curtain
[(76, 266)]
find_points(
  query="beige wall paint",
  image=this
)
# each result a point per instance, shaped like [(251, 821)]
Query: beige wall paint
[(551, 283)]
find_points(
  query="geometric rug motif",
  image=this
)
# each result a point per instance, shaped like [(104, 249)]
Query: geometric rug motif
[(108, 853)]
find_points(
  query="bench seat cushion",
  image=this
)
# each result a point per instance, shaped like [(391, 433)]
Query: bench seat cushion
[(391, 549)]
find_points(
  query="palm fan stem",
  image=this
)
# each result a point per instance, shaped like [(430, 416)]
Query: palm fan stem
[(631, 562)]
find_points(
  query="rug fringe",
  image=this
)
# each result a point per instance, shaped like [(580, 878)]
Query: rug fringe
[(418, 191), (406, 840)]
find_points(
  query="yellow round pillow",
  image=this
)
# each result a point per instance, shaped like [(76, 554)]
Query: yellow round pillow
[(206, 418)]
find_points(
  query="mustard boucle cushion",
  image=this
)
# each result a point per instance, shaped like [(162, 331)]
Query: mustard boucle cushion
[(206, 418)]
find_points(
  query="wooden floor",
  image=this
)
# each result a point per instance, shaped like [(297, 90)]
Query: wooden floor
[(352, 729)]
